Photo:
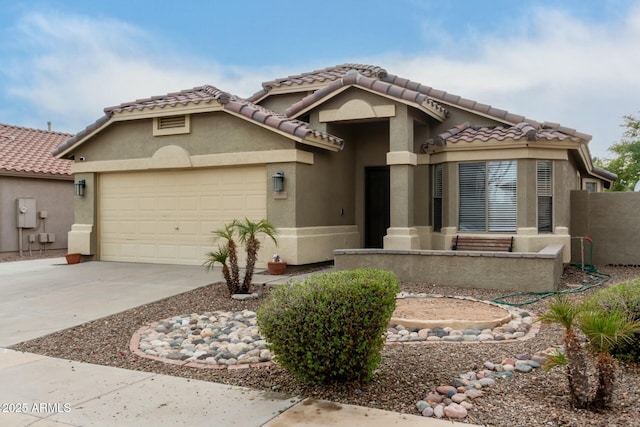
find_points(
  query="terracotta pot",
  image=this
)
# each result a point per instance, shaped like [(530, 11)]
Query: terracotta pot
[(73, 258), (277, 268)]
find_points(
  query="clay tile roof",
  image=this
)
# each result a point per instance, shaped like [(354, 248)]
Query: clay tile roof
[(29, 151), (208, 94), (455, 100), (325, 75), (197, 95), (522, 131), (355, 78), (278, 121), (435, 96)]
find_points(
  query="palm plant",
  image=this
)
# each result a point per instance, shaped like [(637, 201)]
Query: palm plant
[(233, 280), (220, 256), (563, 311), (604, 330), (248, 232)]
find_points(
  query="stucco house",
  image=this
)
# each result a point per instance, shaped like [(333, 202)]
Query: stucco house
[(36, 191), (349, 156)]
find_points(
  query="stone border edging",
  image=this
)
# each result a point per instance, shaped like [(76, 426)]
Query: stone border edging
[(134, 343), (535, 328), (134, 347)]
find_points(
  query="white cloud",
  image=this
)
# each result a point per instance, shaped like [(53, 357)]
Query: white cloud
[(562, 70), (79, 66), (550, 67)]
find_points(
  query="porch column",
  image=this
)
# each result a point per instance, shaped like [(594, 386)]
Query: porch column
[(402, 161)]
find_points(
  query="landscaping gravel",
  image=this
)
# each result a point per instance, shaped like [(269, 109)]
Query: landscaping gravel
[(407, 374)]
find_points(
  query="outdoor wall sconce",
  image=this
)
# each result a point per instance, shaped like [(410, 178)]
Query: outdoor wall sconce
[(80, 185), (278, 182)]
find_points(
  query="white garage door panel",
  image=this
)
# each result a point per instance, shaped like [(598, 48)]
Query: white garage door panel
[(167, 217)]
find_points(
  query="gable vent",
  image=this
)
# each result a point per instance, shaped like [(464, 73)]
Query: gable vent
[(172, 122), (171, 125)]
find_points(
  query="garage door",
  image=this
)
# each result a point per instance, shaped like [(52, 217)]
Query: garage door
[(167, 216)]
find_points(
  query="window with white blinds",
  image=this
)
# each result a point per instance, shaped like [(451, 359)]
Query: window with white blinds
[(545, 196), (488, 196), (437, 197)]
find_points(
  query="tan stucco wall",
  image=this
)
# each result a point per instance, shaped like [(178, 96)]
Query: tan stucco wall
[(279, 103), (506, 271), (611, 220), (53, 196), (457, 116), (211, 133)]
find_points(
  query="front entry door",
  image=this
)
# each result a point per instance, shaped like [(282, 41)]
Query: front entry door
[(376, 205)]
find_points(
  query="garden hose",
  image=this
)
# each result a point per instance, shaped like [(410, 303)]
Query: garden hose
[(597, 279)]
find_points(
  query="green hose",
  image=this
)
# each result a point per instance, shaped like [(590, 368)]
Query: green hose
[(597, 279)]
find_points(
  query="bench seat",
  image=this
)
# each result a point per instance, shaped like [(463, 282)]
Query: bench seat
[(492, 244)]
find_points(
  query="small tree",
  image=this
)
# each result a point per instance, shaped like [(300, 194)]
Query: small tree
[(563, 312), (603, 330), (626, 164), (247, 232), (233, 278), (220, 256)]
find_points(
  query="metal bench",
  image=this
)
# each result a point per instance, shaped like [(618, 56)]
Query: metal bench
[(493, 244)]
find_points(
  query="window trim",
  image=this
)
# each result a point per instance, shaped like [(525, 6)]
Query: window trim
[(438, 192), (586, 181), (484, 204), (544, 192)]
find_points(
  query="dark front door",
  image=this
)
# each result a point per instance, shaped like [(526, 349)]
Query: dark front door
[(376, 205)]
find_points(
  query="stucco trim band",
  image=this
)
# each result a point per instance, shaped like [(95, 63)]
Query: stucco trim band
[(199, 161), (307, 245), (480, 153), (402, 158)]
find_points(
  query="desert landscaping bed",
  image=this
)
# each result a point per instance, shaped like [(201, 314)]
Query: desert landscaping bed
[(406, 374)]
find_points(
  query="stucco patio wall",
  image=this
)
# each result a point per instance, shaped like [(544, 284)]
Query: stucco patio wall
[(611, 220), (509, 271)]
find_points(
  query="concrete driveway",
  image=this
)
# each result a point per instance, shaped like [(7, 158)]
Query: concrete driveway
[(42, 296), (39, 297)]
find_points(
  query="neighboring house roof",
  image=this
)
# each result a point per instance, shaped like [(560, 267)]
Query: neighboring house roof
[(210, 95), (26, 151)]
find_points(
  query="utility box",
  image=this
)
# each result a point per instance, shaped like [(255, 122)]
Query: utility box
[(32, 238), (51, 237), (26, 213), (44, 237)]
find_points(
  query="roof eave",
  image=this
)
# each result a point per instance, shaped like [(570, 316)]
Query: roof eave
[(36, 175), (309, 139), (65, 148)]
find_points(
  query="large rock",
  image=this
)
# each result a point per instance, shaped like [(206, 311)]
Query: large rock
[(455, 411)]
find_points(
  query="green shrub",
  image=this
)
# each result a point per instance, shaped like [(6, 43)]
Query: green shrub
[(330, 327), (624, 298)]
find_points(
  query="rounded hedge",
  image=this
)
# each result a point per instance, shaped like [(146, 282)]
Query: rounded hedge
[(330, 328), (625, 299)]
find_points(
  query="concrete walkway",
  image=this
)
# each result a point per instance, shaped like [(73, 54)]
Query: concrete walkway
[(42, 296)]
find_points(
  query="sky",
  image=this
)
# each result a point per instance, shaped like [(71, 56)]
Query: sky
[(573, 62)]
